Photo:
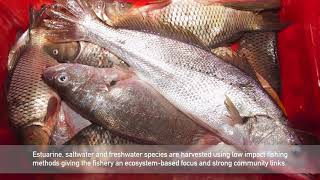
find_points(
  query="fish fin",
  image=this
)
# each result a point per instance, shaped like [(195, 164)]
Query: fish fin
[(233, 111), (35, 16), (32, 17), (232, 57), (269, 21), (66, 18), (274, 95), (245, 5), (53, 110), (63, 129)]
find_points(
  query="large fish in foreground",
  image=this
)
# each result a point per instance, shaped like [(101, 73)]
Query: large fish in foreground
[(206, 23), (213, 93), (121, 103)]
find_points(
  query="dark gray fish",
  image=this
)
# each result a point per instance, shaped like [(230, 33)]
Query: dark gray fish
[(121, 103)]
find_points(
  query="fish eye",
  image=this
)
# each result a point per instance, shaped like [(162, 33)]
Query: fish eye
[(55, 52), (63, 78)]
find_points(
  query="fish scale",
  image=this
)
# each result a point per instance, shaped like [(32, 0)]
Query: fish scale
[(172, 68), (97, 135), (28, 95), (129, 107), (260, 48), (187, 20)]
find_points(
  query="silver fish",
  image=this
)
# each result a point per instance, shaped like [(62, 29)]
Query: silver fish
[(122, 103)]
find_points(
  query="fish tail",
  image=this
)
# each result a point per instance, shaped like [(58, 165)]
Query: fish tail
[(268, 21), (67, 20)]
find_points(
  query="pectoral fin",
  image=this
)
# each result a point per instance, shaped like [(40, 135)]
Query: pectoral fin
[(233, 111)]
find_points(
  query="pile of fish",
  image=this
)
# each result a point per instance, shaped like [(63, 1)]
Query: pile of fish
[(112, 72)]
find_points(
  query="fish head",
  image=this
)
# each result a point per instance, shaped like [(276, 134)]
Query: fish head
[(72, 80), (63, 52), (67, 78)]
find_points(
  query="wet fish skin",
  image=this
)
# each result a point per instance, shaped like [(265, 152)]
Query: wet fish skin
[(83, 53), (97, 135), (193, 80), (23, 82), (120, 102), (32, 105), (191, 21), (260, 49), (257, 56)]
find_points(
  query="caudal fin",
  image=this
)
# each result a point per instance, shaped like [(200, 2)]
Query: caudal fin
[(66, 20)]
